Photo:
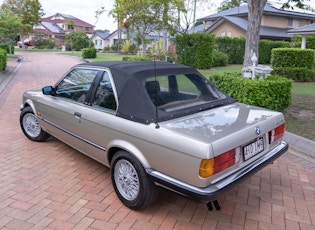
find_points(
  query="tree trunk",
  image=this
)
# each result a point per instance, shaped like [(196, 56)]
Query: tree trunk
[(255, 12), (142, 44)]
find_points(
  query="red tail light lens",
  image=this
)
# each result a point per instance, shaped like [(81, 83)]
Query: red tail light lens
[(276, 133), (224, 161), (209, 167)]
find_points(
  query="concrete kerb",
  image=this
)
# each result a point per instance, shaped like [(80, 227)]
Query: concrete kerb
[(301, 146)]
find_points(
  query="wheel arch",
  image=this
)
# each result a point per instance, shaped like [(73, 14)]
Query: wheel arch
[(28, 103), (123, 145)]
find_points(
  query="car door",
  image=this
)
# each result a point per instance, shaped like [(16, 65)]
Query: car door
[(65, 110)]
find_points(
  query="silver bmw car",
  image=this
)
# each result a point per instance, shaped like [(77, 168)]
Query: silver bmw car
[(155, 124)]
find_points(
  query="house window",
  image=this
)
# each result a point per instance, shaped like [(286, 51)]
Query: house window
[(293, 23), (70, 27)]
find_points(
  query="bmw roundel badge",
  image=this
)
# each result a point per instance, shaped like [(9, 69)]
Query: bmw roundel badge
[(257, 130)]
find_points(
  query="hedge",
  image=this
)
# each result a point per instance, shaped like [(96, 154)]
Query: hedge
[(292, 58), (233, 47), (296, 74), (89, 53), (273, 93), (195, 50), (126, 58), (3, 59), (265, 49)]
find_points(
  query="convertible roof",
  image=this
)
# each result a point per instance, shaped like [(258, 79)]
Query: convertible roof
[(129, 79), (123, 71)]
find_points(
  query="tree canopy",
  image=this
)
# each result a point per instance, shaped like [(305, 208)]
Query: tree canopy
[(28, 11), (146, 16), (10, 26)]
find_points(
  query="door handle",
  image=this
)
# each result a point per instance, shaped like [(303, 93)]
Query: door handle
[(77, 115)]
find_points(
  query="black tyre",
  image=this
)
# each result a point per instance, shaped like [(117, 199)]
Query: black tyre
[(132, 184), (30, 126)]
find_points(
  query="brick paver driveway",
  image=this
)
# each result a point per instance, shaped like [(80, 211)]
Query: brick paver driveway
[(52, 186)]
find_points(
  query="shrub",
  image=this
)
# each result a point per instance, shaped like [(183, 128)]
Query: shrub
[(265, 49), (273, 93), (220, 58), (297, 41), (292, 58), (233, 47), (43, 43), (195, 50), (3, 59), (136, 58), (7, 48), (89, 53), (77, 41), (125, 46), (296, 74)]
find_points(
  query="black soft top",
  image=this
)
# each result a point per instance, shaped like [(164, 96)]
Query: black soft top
[(134, 102)]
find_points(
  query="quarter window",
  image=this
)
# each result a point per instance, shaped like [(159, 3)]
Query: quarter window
[(104, 96)]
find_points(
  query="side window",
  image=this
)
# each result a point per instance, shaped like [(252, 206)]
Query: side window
[(76, 84), (104, 96)]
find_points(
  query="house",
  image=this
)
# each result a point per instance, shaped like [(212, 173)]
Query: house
[(275, 22), (104, 39), (58, 25)]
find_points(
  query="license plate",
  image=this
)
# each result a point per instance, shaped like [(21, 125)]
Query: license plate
[(253, 148)]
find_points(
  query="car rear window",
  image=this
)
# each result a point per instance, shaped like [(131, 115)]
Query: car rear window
[(180, 91)]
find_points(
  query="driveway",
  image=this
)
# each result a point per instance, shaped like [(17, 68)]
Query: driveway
[(52, 186)]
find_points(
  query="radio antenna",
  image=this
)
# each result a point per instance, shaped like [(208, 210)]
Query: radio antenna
[(156, 95)]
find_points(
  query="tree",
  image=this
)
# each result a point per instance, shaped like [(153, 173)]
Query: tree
[(228, 4), (255, 12), (146, 16), (10, 26), (186, 18), (77, 41), (28, 11)]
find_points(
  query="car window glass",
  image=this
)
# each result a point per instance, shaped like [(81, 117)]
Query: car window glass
[(76, 84), (104, 96), (166, 89), (180, 91)]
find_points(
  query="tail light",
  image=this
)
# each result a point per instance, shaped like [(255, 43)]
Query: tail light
[(209, 167), (276, 133)]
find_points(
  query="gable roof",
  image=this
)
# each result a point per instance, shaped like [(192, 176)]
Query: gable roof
[(102, 35), (241, 23), (56, 19), (270, 9), (52, 27)]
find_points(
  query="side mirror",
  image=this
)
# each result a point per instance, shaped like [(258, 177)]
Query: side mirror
[(47, 90)]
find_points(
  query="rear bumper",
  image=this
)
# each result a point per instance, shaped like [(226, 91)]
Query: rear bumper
[(213, 191)]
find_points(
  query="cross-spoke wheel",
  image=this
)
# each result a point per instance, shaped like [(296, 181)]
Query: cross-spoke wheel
[(131, 183), (30, 126)]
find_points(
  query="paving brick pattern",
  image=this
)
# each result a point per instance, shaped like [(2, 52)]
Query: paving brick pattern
[(51, 186)]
